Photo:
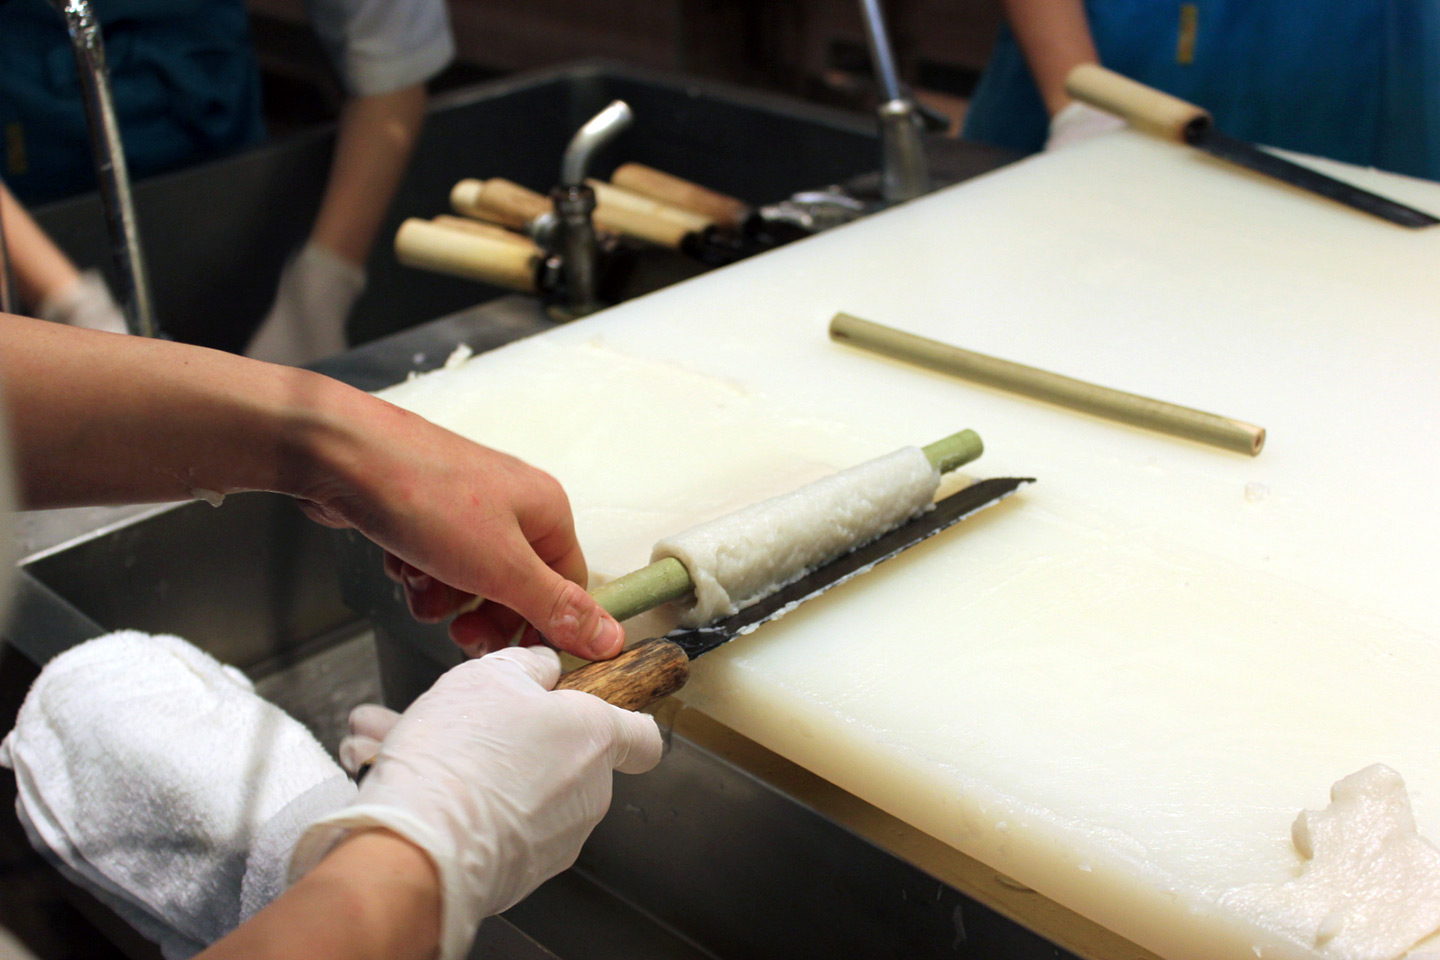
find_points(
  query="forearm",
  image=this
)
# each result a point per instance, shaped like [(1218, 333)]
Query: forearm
[(39, 267), (1055, 37), (372, 149), (97, 418), (374, 896)]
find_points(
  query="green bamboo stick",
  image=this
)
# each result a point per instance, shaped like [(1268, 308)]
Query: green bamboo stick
[(644, 589), (1050, 387), (666, 580)]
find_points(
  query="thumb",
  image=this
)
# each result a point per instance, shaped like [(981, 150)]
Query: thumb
[(540, 664), (636, 745), (562, 611)]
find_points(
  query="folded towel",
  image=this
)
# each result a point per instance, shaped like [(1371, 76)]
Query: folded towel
[(158, 779)]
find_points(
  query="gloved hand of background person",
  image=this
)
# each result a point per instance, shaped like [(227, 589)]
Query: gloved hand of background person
[(84, 303), (1079, 121), (497, 777), (307, 321)]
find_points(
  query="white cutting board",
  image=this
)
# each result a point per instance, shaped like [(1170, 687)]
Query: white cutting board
[(1120, 687)]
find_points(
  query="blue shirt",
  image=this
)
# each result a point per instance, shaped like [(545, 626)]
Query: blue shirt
[(182, 73), (1355, 80)]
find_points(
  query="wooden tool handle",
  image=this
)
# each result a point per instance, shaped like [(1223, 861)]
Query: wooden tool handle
[(482, 229), (459, 253), (609, 195), (727, 212), (645, 673), (640, 226), (465, 200), (508, 197), (1145, 108)]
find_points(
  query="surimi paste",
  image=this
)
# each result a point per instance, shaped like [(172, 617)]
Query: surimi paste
[(740, 558), (1369, 885)]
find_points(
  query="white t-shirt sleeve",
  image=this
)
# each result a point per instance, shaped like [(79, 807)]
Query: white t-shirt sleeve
[(380, 46)]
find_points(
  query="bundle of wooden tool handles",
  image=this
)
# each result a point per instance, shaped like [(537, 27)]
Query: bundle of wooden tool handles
[(488, 237)]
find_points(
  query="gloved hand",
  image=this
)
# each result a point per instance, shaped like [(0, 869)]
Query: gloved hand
[(85, 303), (370, 724), (497, 778), (307, 321), (1078, 121)]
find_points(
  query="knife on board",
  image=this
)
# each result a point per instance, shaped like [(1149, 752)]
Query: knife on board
[(1170, 118), (659, 667)]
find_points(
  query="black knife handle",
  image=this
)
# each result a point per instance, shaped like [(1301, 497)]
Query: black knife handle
[(647, 672)]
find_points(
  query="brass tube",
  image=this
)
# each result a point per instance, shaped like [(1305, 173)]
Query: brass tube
[(1050, 387)]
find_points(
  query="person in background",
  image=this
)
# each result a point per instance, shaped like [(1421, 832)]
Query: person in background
[(48, 284), (490, 782), (187, 88), (1348, 79)]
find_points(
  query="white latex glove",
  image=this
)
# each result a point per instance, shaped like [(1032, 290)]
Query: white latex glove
[(307, 321), (1078, 121), (85, 303), (497, 777), (370, 724)]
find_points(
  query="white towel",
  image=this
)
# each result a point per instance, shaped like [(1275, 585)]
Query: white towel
[(159, 780)]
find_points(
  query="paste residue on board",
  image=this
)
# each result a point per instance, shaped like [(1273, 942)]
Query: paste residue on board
[(744, 556), (1369, 884)]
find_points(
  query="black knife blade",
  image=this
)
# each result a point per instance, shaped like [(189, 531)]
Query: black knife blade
[(947, 513), (1215, 143)]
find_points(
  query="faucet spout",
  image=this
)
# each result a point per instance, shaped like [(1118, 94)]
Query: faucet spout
[(110, 168), (596, 133)]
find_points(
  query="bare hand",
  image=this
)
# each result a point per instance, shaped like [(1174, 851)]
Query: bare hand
[(464, 525)]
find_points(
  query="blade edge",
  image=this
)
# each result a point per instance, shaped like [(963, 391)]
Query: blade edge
[(947, 513), (1261, 161)]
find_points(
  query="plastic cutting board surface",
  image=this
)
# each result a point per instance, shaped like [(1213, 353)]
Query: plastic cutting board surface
[(1120, 687)]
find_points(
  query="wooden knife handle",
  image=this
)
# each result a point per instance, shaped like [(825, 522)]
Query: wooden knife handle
[(727, 212), (509, 198), (482, 228), (1145, 108), (647, 672), (460, 253), (609, 195), (465, 199), (639, 225), (498, 200)]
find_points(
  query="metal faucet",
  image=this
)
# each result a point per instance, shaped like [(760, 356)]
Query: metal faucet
[(575, 206), (110, 167), (904, 172)]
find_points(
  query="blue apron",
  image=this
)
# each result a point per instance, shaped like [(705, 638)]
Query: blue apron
[(182, 72), (1356, 80)]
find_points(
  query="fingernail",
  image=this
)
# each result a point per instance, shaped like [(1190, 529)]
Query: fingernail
[(416, 580), (607, 639)]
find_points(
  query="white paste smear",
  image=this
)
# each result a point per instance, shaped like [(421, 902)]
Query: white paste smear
[(745, 556), (1370, 885)]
